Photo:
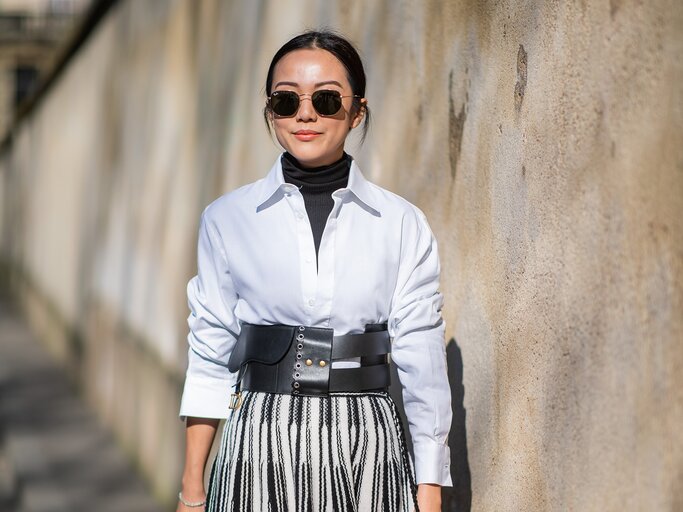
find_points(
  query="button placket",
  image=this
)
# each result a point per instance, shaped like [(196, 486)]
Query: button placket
[(326, 262), (307, 264)]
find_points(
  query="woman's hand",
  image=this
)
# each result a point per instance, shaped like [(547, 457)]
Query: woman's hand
[(429, 497)]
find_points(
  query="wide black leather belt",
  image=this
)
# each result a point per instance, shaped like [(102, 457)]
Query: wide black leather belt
[(297, 359)]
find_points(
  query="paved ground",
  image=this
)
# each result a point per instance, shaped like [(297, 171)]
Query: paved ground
[(54, 456)]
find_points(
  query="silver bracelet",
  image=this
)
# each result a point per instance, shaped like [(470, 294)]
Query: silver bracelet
[(190, 503)]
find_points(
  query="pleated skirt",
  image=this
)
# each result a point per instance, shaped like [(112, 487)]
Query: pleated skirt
[(290, 453)]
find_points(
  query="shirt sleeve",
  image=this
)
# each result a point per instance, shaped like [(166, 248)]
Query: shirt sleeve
[(213, 329), (419, 351)]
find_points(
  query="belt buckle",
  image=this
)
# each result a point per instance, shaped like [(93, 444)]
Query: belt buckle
[(235, 400)]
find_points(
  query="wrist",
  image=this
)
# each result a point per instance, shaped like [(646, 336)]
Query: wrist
[(193, 488), (192, 502), (193, 472)]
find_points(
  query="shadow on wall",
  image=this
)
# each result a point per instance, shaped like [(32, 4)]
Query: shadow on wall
[(459, 497)]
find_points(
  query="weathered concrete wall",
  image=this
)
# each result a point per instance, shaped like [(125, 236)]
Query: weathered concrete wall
[(542, 140)]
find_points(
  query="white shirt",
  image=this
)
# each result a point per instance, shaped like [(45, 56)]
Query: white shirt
[(378, 262)]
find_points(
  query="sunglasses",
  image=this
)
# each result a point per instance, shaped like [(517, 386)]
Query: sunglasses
[(325, 102)]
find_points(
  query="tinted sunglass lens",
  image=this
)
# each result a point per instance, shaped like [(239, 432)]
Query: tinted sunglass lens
[(284, 103), (326, 103)]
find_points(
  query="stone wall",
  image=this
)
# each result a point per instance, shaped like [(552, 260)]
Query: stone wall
[(542, 140)]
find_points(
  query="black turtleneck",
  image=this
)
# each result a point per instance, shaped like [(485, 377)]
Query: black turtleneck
[(316, 185)]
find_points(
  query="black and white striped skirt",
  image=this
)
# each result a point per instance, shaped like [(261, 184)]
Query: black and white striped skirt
[(292, 453)]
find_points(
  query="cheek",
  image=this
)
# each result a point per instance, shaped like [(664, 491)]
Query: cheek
[(341, 131), (280, 128), (278, 125)]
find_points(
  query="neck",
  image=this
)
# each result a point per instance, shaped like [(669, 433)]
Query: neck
[(334, 174), (314, 168), (322, 161)]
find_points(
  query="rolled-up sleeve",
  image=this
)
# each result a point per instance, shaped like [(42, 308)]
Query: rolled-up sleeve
[(213, 328), (419, 352)]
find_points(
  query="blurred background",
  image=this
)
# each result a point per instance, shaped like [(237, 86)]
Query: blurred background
[(543, 140)]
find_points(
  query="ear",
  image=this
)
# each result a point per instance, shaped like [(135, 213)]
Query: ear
[(358, 117)]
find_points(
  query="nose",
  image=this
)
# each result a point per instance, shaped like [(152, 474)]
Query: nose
[(306, 111)]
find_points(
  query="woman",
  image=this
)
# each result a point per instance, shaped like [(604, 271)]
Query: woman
[(306, 279)]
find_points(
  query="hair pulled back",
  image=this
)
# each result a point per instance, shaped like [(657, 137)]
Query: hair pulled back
[(342, 49)]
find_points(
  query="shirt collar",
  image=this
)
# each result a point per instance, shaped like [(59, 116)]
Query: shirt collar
[(274, 185)]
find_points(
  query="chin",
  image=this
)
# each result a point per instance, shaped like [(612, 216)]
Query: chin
[(308, 156)]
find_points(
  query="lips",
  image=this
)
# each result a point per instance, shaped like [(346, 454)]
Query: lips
[(306, 135)]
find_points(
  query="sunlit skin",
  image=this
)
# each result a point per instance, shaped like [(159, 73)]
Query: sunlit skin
[(305, 71)]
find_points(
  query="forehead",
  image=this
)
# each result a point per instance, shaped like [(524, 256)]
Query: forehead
[(309, 66)]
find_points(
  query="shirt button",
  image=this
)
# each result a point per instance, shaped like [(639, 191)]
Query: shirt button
[(300, 215), (311, 302)]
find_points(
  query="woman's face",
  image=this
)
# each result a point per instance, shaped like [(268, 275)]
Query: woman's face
[(314, 140)]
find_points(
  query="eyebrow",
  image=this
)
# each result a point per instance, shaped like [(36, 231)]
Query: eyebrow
[(327, 82)]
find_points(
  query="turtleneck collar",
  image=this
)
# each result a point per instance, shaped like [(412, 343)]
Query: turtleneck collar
[(316, 179)]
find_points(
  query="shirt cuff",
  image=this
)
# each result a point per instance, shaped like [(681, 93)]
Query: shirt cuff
[(206, 398), (432, 463)]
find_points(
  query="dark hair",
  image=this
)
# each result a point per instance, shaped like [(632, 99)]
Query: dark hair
[(337, 45)]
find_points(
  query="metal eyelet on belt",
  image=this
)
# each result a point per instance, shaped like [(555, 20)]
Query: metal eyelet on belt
[(298, 355), (297, 375), (299, 336), (300, 346), (301, 327), (298, 365), (296, 384), (295, 392)]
